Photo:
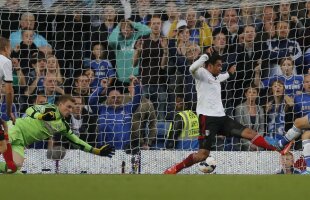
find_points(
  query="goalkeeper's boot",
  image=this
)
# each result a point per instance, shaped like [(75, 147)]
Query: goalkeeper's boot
[(171, 170), (275, 143)]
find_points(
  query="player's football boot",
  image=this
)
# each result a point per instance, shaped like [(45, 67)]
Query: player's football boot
[(273, 142), (305, 172), (171, 170), (286, 148)]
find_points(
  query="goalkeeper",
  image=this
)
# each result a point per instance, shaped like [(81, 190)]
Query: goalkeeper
[(42, 122)]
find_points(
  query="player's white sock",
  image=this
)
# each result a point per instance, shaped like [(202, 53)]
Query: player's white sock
[(290, 135), (306, 152)]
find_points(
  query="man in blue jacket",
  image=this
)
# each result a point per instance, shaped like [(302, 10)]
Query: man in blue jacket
[(114, 117)]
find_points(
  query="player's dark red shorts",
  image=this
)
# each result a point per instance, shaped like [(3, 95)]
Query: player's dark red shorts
[(209, 127)]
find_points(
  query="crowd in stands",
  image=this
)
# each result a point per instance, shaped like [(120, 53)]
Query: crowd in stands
[(94, 57)]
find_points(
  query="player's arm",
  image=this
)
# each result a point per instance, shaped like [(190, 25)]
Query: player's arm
[(9, 92), (197, 64), (42, 112), (105, 150), (9, 97)]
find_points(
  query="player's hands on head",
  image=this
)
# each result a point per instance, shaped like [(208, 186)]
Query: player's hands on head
[(106, 150), (49, 116), (204, 58)]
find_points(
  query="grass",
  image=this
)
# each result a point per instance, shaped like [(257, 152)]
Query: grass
[(151, 187)]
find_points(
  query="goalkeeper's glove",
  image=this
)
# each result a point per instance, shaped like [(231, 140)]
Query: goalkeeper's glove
[(105, 150), (49, 116)]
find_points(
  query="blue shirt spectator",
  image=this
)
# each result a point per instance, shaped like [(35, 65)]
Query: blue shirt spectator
[(114, 117)]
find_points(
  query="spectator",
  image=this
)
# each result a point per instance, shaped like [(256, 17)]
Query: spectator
[(248, 16), (69, 33), (91, 78), (185, 82), (100, 34), (268, 30), (214, 20), (53, 68), (200, 32), (25, 50), (249, 54), (82, 124), (19, 80), (292, 82), (173, 18), (278, 110), (27, 22), (285, 14), (184, 129), (10, 14), (36, 74), (250, 115), (151, 52), (144, 124), (115, 117), (50, 89), (287, 164), (144, 12), (232, 27), (283, 47), (220, 47), (81, 87), (122, 41), (101, 66)]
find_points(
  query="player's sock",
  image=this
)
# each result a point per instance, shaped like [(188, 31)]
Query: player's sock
[(187, 162), (306, 152), (259, 141), (8, 157), (3, 167), (289, 136)]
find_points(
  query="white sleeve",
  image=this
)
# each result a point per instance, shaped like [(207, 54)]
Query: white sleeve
[(7, 71), (196, 65), (223, 77)]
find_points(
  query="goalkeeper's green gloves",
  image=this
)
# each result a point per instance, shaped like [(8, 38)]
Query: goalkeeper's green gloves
[(49, 116), (105, 150)]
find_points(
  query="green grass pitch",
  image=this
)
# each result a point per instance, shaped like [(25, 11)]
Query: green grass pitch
[(151, 187)]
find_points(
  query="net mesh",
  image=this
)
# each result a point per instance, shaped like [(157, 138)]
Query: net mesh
[(93, 49)]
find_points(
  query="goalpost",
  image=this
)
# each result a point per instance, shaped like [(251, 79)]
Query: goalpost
[(80, 47)]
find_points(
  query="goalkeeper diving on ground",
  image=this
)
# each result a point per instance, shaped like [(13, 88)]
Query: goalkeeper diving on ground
[(41, 122)]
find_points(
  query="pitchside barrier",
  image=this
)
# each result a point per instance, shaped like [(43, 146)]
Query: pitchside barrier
[(150, 162)]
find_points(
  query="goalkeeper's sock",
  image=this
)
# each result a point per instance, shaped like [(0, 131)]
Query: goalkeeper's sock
[(306, 152), (291, 134), (3, 167), (260, 141), (187, 162)]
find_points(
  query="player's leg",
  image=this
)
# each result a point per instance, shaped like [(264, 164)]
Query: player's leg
[(14, 159), (295, 131), (234, 128), (3, 136), (207, 129), (306, 150)]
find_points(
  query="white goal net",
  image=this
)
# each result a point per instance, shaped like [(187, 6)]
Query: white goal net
[(92, 49)]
